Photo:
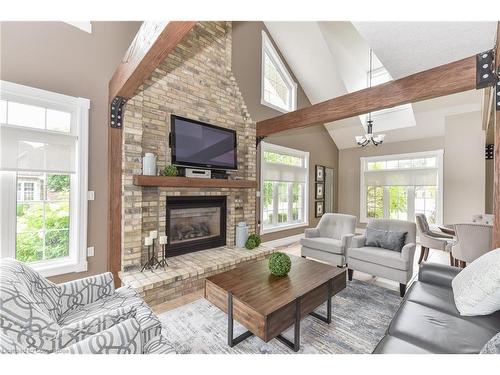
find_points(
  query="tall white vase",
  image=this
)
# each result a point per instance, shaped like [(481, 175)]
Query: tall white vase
[(149, 164)]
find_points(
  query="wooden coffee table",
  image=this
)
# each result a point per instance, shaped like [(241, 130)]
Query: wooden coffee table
[(268, 305)]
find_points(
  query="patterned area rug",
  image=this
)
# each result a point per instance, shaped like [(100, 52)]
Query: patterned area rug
[(361, 314)]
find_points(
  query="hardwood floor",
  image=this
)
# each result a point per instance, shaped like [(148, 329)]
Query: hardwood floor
[(435, 256)]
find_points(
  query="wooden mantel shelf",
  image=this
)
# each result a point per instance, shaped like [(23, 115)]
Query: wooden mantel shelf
[(163, 181)]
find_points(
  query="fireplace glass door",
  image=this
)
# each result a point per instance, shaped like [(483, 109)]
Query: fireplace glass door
[(195, 223)]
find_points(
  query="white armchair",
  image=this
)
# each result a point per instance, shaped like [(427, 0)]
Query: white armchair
[(330, 239), (472, 241), (386, 263)]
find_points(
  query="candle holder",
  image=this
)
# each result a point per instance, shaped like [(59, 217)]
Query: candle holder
[(152, 258), (163, 261)]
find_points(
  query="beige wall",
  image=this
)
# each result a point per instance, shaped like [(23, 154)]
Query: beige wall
[(247, 57), (463, 164), (58, 57), (464, 167)]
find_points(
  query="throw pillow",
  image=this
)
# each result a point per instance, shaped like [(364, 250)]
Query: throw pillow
[(476, 289), (492, 346), (385, 239)]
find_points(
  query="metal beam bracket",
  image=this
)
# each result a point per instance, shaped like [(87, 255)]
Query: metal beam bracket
[(259, 139), (485, 69), (116, 115)]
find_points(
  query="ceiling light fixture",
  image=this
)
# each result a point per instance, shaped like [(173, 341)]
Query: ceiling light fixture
[(369, 137)]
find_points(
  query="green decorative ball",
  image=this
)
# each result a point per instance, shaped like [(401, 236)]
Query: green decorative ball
[(170, 170), (250, 244), (279, 264), (256, 238)]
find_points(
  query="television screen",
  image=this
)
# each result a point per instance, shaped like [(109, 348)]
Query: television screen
[(203, 145)]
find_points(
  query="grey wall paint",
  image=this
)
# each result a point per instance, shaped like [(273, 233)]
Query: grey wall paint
[(246, 66), (463, 168), (57, 57)]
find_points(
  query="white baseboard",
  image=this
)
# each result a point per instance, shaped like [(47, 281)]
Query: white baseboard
[(284, 241)]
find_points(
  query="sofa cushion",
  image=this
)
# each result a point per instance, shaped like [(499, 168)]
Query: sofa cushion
[(123, 338), (434, 296), (477, 288), (329, 245), (385, 239), (437, 331), (393, 345), (123, 297), (377, 255)]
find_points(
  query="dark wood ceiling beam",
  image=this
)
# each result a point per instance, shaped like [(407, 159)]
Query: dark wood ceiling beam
[(151, 45), (443, 80)]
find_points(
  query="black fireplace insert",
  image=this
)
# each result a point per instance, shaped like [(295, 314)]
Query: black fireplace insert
[(195, 223)]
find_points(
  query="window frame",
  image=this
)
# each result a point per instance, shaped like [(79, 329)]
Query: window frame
[(79, 109), (269, 50), (265, 146), (438, 154)]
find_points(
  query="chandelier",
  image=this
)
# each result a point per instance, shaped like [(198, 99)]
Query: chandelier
[(369, 137)]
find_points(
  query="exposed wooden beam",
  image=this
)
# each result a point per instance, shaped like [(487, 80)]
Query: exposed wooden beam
[(496, 188), (151, 45), (443, 80)]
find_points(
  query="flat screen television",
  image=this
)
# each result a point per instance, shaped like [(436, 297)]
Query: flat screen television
[(197, 144)]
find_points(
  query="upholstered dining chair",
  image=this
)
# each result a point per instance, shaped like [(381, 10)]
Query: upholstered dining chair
[(472, 241), (432, 240), (483, 219)]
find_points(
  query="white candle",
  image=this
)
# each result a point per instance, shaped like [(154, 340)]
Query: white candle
[(148, 241), (163, 240), (153, 234)]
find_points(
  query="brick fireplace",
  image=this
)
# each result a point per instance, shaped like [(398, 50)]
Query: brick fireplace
[(194, 81)]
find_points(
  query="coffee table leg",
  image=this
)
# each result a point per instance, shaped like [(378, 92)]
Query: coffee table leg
[(230, 323), (328, 318), (295, 345)]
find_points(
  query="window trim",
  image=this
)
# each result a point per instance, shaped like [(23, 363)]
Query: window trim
[(268, 48), (79, 107), (265, 146), (413, 155)]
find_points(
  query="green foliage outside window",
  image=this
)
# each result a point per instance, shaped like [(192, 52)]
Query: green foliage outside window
[(43, 226)]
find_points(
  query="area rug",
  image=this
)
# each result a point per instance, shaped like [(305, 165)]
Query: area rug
[(361, 314)]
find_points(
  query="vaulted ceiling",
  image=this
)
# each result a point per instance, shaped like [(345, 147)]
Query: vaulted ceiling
[(331, 59)]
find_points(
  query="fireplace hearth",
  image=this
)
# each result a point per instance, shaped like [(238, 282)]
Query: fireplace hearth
[(195, 223)]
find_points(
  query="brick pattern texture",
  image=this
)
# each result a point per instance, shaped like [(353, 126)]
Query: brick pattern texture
[(194, 81)]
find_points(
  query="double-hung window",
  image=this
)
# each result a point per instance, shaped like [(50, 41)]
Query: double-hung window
[(279, 90), (43, 176), (400, 186), (284, 187)]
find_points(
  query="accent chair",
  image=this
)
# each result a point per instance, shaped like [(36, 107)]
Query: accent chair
[(382, 262), (43, 317), (472, 241), (329, 241), (432, 240)]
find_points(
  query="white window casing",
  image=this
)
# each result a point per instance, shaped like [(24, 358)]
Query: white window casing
[(277, 172), (409, 177), (53, 151), (270, 52)]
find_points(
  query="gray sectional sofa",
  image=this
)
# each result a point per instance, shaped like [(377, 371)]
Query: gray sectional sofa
[(428, 321)]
